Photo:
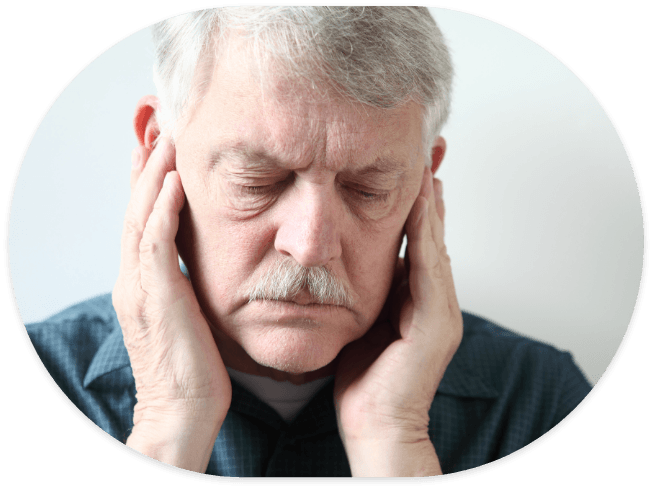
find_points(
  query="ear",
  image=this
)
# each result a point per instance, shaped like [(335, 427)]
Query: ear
[(146, 126), (437, 153)]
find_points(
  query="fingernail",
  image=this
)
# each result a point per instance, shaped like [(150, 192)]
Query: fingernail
[(136, 157)]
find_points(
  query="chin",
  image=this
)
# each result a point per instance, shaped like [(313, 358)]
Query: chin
[(291, 338), (292, 350)]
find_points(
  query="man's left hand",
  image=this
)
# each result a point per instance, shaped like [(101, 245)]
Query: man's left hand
[(386, 381)]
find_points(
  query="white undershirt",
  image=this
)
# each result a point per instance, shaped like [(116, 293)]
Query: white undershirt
[(286, 398)]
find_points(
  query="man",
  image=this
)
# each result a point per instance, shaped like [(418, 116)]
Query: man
[(287, 155)]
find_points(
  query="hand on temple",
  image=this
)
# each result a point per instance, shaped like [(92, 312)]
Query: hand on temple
[(183, 390), (386, 380)]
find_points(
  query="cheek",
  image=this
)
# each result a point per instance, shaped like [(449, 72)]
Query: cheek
[(373, 251), (229, 244), (218, 234), (370, 259), (220, 253)]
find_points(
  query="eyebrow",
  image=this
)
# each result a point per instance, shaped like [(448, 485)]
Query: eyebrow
[(254, 159), (384, 167), (387, 168)]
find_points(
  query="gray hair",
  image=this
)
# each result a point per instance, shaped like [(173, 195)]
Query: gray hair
[(379, 56)]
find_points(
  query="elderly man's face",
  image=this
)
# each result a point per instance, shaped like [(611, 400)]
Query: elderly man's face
[(273, 174)]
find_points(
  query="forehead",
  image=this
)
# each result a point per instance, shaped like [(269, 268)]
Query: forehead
[(248, 112)]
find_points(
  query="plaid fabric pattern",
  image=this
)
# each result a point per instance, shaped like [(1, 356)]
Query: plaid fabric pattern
[(500, 392)]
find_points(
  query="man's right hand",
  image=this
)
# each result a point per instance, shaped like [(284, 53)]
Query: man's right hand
[(183, 390)]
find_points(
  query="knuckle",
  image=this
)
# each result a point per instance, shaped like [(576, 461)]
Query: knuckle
[(152, 251), (151, 256), (148, 248), (132, 228)]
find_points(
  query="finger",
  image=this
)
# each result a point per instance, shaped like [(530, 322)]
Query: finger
[(435, 219), (430, 271), (418, 232), (140, 155), (144, 195), (157, 249), (424, 193), (420, 247), (439, 202), (436, 215), (435, 314)]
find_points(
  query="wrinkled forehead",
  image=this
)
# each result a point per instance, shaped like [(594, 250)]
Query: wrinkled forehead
[(333, 135), (256, 101)]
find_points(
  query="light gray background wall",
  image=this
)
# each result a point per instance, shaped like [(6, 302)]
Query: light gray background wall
[(543, 224)]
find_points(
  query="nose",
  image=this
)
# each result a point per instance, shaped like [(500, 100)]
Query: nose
[(308, 226)]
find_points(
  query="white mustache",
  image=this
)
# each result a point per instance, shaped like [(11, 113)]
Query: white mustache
[(286, 279)]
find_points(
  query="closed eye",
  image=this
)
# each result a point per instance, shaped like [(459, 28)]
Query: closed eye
[(368, 204), (370, 196), (265, 190), (257, 190)]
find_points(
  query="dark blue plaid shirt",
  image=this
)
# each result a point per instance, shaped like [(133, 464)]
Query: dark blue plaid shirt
[(500, 392)]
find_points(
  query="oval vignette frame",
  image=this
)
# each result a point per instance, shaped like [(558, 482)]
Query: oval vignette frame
[(455, 476)]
